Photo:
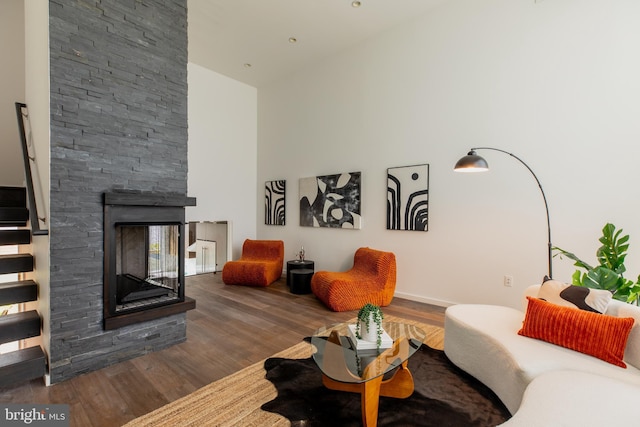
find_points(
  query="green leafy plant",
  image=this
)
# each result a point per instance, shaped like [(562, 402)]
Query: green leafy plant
[(365, 316), (609, 273)]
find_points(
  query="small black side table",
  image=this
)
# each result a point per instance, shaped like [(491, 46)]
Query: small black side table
[(301, 281), (295, 265)]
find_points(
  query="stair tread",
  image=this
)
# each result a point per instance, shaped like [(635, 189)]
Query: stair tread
[(16, 263), (15, 256), (18, 291), (17, 326), (13, 211), (13, 216), (19, 317), (13, 197), (15, 237), (19, 356), (16, 216), (22, 365), (17, 284)]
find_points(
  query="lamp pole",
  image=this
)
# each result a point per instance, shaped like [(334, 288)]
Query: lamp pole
[(470, 161)]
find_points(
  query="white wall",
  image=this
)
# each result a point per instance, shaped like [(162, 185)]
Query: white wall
[(36, 33), (222, 152), (11, 90), (555, 82)]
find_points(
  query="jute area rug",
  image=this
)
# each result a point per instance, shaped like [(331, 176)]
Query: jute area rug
[(236, 399)]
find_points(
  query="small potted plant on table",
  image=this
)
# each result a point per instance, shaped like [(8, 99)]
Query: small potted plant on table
[(369, 324)]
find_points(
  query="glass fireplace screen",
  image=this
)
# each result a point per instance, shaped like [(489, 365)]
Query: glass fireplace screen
[(147, 262)]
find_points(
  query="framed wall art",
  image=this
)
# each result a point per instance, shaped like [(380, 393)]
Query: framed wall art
[(274, 202), (331, 201), (408, 198)]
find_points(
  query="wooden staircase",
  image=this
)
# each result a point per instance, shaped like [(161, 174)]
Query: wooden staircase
[(28, 363)]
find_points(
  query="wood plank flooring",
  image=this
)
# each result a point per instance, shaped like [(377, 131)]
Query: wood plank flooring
[(232, 327)]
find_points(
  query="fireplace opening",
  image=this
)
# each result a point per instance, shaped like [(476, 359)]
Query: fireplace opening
[(147, 259), (144, 257)]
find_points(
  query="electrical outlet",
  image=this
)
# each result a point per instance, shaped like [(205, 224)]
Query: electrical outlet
[(508, 281)]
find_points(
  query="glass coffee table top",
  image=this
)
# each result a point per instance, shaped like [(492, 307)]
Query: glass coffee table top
[(336, 355)]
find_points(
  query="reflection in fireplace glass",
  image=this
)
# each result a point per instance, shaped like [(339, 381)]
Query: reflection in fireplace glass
[(147, 263)]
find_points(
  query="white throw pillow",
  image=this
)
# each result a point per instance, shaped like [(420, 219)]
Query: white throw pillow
[(581, 297)]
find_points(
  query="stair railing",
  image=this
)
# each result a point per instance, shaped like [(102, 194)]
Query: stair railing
[(29, 156)]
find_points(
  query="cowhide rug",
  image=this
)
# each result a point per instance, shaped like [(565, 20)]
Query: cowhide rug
[(444, 396)]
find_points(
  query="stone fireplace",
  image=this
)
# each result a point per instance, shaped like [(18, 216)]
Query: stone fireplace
[(118, 126), (144, 259)]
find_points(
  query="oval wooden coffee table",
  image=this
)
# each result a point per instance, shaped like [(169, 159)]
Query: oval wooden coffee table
[(361, 371)]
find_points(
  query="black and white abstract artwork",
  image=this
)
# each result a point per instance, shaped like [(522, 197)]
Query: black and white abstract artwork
[(331, 201), (408, 198), (274, 202)]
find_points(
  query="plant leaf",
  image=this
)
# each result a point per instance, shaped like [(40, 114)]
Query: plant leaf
[(601, 278), (576, 278), (612, 252), (578, 262)]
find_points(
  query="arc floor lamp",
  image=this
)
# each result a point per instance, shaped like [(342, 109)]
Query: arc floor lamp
[(474, 163)]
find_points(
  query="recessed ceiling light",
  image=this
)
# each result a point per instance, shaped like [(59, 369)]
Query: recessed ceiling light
[(293, 40), (356, 4), (247, 65)]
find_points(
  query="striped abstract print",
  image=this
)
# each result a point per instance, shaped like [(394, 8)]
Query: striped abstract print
[(408, 198), (274, 202)]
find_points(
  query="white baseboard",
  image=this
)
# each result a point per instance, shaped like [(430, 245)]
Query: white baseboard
[(418, 298)]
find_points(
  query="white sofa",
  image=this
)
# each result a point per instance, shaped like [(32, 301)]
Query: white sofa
[(543, 384)]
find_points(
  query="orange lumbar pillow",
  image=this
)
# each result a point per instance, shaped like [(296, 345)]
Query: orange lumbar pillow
[(599, 335)]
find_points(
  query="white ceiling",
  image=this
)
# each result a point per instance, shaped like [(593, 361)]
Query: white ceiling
[(224, 35)]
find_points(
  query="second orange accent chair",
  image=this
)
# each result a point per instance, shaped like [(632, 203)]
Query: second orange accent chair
[(372, 279), (260, 264)]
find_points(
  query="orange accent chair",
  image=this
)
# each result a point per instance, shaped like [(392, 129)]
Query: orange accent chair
[(372, 279), (260, 264)]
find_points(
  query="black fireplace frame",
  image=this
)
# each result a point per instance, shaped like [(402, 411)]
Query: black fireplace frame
[(144, 209)]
